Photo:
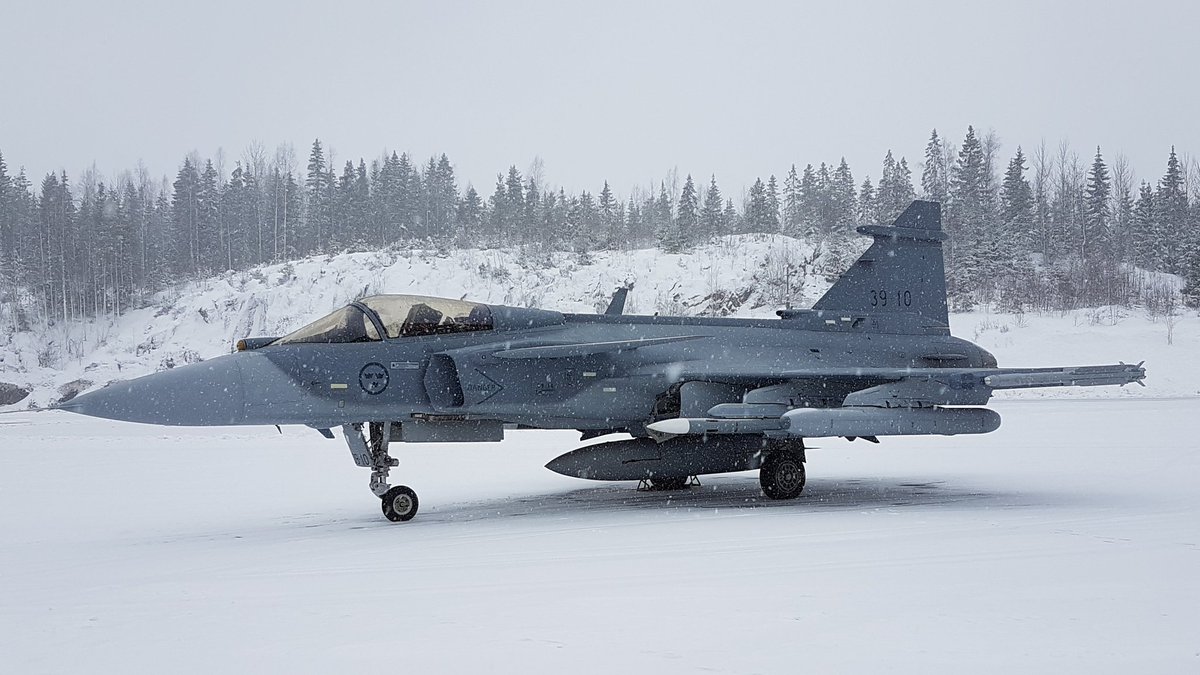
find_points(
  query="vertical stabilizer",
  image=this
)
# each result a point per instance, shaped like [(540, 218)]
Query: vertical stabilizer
[(903, 271), (616, 306)]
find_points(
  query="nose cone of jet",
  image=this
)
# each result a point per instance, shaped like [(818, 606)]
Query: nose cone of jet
[(200, 394)]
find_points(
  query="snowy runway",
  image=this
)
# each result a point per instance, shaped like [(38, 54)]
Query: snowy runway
[(1069, 539)]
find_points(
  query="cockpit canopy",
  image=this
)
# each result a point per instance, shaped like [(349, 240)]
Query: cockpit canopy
[(409, 315), (398, 315)]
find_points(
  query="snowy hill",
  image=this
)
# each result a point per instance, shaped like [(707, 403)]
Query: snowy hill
[(746, 275)]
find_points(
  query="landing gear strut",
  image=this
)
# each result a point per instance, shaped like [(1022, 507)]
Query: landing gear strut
[(782, 473), (400, 502)]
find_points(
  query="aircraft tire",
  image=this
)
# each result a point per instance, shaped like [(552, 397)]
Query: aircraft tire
[(400, 504), (782, 474)]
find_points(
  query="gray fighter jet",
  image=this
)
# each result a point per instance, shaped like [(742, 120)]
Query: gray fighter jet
[(698, 395)]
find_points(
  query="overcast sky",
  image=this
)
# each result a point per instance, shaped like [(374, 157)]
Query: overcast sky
[(623, 91)]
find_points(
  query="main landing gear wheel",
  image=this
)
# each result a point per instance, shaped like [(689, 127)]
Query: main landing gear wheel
[(782, 473), (400, 504)]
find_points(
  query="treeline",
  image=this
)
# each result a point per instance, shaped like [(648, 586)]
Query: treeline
[(1046, 232)]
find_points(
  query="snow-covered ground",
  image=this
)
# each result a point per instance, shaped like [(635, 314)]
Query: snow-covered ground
[(746, 275), (1067, 541)]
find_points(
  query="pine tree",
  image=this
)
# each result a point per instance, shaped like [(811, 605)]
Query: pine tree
[(27, 235), (823, 211), (868, 207), (317, 193), (8, 246), (498, 210), (558, 227), (235, 208), (756, 217), (438, 198), (711, 219), (935, 183), (967, 184), (405, 195), (886, 195), (612, 226), (902, 187), (213, 239), (185, 209), (256, 213), (772, 216), (289, 208), (360, 206), (386, 198), (514, 224), (56, 209), (730, 218), (844, 198), (635, 224), (341, 222), (688, 218), (1144, 242), (1016, 204), (895, 189), (161, 249), (793, 204), (130, 228), (810, 211), (1093, 240), (1171, 212), (532, 208), (470, 216), (967, 249), (671, 237)]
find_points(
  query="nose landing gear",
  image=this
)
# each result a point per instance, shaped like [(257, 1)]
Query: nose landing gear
[(399, 503)]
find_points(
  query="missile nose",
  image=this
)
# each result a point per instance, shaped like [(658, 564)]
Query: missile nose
[(200, 394)]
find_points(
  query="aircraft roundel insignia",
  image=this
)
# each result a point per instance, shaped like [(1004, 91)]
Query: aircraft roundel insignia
[(373, 378)]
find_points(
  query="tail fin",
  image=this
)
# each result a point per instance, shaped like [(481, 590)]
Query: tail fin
[(617, 304), (903, 271)]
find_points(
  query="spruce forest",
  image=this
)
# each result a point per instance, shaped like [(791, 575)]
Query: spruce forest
[(1037, 229)]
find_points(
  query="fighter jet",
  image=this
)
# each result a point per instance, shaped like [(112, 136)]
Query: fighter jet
[(694, 395)]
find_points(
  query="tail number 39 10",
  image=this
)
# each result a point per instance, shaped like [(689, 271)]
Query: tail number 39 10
[(897, 298)]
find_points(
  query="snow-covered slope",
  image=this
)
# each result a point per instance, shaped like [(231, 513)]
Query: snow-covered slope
[(746, 275)]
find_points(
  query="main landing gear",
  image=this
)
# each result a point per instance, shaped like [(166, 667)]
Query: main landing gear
[(399, 503), (782, 472)]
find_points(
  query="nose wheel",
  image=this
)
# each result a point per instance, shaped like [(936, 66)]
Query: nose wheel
[(399, 503)]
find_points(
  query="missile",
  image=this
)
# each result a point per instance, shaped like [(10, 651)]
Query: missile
[(849, 421), (697, 426), (868, 421)]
